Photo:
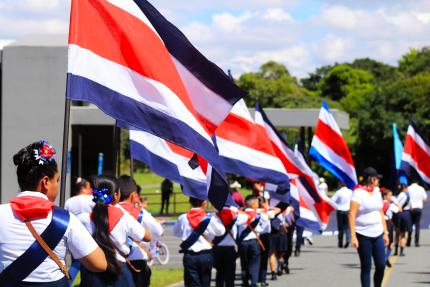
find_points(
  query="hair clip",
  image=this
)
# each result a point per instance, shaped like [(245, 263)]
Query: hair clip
[(102, 195), (44, 153)]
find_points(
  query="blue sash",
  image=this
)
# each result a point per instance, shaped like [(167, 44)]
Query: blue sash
[(140, 218), (228, 228), (24, 265), (194, 236), (249, 228)]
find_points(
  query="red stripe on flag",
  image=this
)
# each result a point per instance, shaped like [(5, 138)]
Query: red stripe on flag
[(334, 141), (290, 167), (120, 37), (241, 131), (419, 155)]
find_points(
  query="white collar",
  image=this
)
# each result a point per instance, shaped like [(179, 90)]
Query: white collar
[(33, 193)]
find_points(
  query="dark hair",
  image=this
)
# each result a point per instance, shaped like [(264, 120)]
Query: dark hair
[(261, 200), (101, 222), (196, 202), (77, 184), (386, 191), (31, 170), (127, 185), (250, 198)]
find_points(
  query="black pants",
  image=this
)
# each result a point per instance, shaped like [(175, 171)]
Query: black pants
[(250, 254), (60, 283), (416, 219), (142, 278), (299, 238), (265, 239), (342, 227), (197, 268), (165, 199), (225, 265), (369, 247), (290, 233)]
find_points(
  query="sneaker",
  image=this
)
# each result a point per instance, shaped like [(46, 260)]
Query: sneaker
[(346, 245), (309, 241), (274, 277), (417, 245), (388, 263), (401, 253), (296, 253)]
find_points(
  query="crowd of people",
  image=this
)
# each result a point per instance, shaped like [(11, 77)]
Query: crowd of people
[(107, 230)]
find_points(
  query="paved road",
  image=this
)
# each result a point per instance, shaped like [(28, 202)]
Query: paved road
[(323, 264)]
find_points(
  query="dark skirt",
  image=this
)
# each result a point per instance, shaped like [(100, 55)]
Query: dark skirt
[(278, 242), (60, 283), (405, 222), (93, 279)]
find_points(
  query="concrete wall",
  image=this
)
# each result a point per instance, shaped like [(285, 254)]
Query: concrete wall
[(33, 94)]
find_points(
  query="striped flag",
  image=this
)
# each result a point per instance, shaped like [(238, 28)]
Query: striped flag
[(137, 67), (245, 149), (297, 168), (170, 161), (329, 149), (416, 155)]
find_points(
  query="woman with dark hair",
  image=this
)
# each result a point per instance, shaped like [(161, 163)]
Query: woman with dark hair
[(31, 221), (368, 228), (82, 198), (111, 228)]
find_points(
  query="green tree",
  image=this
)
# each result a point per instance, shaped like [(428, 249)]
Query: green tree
[(416, 61), (381, 72)]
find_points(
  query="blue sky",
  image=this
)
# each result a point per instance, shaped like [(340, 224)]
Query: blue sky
[(243, 34)]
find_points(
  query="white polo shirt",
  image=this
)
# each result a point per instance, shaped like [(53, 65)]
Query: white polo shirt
[(403, 198), (240, 221), (369, 220), (264, 219), (15, 239), (342, 198), (418, 195), (127, 227), (78, 204), (183, 230)]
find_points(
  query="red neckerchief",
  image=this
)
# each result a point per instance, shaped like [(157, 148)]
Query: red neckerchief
[(252, 213), (365, 187), (31, 207), (130, 208), (114, 215), (227, 216), (195, 216), (385, 205)]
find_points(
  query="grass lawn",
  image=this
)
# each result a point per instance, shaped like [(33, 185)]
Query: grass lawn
[(159, 278)]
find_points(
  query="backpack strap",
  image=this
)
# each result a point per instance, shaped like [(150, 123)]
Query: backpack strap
[(408, 198), (140, 217), (24, 265), (228, 229), (250, 228)]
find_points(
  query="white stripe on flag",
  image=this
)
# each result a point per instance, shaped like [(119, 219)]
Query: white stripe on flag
[(332, 157), (84, 63), (418, 139), (407, 158), (328, 118)]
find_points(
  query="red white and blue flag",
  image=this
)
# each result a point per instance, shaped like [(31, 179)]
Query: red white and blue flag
[(170, 161), (329, 149), (246, 149), (416, 155), (137, 67), (297, 168)]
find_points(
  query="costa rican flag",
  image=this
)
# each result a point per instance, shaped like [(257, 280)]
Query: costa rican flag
[(297, 168), (416, 155), (306, 215), (137, 67), (245, 149), (170, 161), (329, 149)]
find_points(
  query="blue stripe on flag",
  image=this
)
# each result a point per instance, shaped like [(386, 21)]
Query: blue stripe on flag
[(258, 173), (179, 47), (309, 224), (167, 169), (333, 169)]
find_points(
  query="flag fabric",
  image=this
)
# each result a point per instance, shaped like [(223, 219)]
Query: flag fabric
[(246, 149), (329, 149), (398, 151), (307, 218), (170, 161), (297, 168), (416, 155), (137, 67)]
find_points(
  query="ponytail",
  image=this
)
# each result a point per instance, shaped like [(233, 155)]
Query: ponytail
[(100, 219)]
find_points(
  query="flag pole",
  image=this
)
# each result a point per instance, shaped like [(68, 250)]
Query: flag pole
[(116, 147), (65, 151)]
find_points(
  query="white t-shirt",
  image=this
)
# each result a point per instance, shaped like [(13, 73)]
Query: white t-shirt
[(127, 227), (403, 198), (368, 221), (342, 198), (78, 204), (418, 195), (15, 239), (183, 230)]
